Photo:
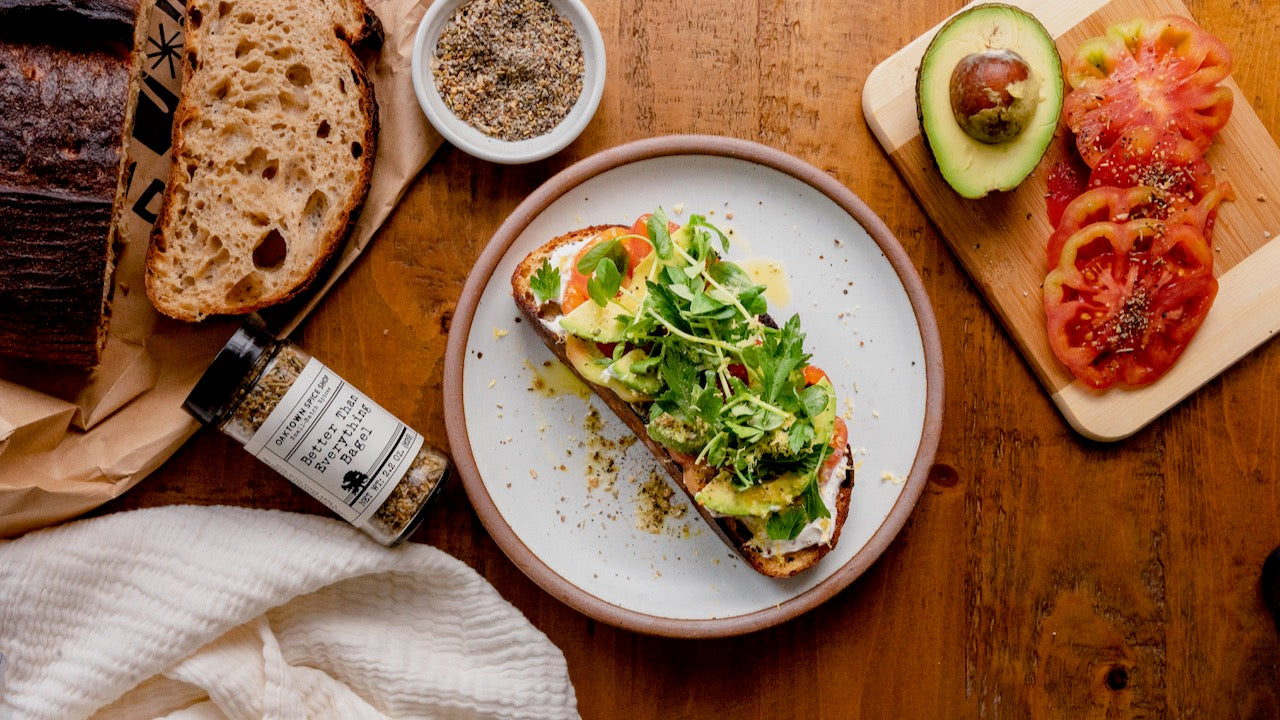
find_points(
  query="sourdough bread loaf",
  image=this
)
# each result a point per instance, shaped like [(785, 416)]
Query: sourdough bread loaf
[(273, 146), (68, 77)]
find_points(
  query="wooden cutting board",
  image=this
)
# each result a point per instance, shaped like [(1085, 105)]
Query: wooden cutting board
[(1000, 239)]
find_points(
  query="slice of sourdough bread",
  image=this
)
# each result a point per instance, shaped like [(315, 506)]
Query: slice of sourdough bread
[(273, 146), (689, 476)]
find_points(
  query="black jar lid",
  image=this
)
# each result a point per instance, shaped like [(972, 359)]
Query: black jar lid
[(214, 393)]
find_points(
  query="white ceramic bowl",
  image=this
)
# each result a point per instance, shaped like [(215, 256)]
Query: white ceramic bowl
[(486, 147)]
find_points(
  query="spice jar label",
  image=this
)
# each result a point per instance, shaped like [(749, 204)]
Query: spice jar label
[(331, 440)]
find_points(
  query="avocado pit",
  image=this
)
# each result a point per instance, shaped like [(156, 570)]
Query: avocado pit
[(994, 95)]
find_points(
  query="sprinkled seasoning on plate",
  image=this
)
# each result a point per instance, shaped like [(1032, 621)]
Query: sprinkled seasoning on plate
[(512, 69)]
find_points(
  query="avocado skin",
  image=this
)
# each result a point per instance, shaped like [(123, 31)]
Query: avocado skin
[(973, 168)]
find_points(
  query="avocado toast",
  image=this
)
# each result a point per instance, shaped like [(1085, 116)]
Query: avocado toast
[(678, 343)]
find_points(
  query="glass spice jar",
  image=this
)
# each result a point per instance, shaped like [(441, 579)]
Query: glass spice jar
[(314, 428)]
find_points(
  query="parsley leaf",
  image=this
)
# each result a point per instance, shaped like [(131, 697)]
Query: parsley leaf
[(704, 305), (786, 524), (545, 282), (799, 437), (815, 399), (753, 300), (781, 353), (814, 507), (665, 306), (730, 275)]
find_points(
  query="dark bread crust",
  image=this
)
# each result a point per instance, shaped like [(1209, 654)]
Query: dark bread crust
[(68, 112), (54, 262), (692, 478), (59, 22), (125, 11)]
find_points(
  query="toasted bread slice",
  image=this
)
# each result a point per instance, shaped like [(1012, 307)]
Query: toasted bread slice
[(274, 140), (689, 476)]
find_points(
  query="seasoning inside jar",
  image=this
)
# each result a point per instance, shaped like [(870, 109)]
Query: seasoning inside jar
[(313, 427), (512, 69)]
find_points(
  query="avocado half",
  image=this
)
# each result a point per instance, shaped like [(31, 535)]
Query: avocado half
[(974, 167)]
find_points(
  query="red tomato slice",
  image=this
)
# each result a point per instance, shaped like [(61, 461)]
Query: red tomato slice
[(1162, 73), (637, 248), (839, 439), (1068, 177), (1101, 204), (813, 375), (1203, 214), (1126, 298), (641, 226), (1163, 160), (1115, 204)]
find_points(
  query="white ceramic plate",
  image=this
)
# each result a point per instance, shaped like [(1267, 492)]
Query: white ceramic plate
[(517, 425)]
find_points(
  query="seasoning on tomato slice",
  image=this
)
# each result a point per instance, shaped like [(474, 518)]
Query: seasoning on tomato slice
[(1102, 204), (1162, 73), (1120, 204), (636, 246), (1163, 160), (1126, 299)]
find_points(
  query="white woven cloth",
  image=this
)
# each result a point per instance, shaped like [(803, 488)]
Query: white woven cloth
[(218, 612)]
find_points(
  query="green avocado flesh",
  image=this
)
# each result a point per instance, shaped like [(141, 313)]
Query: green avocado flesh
[(590, 321), (972, 167), (721, 496), (625, 371)]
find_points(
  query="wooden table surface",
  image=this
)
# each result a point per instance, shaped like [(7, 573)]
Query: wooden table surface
[(1040, 576)]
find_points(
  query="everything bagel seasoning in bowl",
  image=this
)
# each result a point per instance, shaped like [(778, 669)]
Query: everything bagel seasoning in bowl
[(510, 68), (509, 81)]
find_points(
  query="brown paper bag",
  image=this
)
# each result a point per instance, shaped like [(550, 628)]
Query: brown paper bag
[(72, 439)]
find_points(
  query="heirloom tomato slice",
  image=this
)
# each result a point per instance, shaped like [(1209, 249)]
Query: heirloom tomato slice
[(1126, 299), (1121, 204), (839, 438), (1068, 177), (1102, 204), (1163, 73), (641, 226), (1163, 160)]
